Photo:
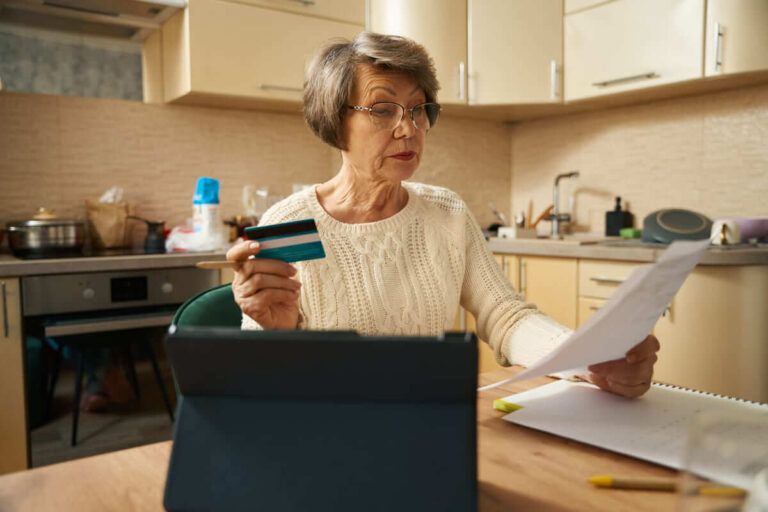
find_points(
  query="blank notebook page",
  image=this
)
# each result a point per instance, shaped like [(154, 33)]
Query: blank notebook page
[(653, 427)]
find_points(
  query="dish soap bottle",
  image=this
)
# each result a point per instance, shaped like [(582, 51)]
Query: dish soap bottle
[(617, 219)]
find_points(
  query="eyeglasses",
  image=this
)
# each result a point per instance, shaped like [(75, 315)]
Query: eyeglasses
[(386, 115)]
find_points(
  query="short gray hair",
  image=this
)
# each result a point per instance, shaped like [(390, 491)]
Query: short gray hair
[(331, 77)]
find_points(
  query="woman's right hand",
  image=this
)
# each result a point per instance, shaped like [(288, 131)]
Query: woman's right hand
[(263, 288)]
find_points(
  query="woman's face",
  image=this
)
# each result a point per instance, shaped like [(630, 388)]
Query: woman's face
[(382, 153)]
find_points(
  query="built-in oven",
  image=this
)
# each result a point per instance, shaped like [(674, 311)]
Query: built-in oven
[(120, 311), (70, 304)]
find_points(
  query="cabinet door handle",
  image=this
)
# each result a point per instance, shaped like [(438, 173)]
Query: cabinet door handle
[(305, 3), (553, 82), (718, 48), (5, 310), (523, 278), (606, 280), (462, 82), (627, 79), (271, 87)]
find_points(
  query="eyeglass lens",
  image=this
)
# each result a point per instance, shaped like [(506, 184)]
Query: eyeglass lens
[(388, 115)]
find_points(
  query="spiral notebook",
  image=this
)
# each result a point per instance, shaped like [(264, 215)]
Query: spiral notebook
[(653, 428)]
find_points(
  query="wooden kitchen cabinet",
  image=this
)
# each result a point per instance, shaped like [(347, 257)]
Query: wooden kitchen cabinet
[(226, 49), (349, 11), (624, 45), (515, 51), (598, 279), (439, 25), (551, 284), (715, 336), (737, 37), (14, 454), (510, 267)]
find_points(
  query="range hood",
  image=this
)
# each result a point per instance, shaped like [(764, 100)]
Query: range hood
[(122, 19)]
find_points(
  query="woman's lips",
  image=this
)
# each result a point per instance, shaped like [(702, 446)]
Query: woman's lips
[(405, 155)]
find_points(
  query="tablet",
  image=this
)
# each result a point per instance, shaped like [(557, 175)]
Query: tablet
[(322, 421)]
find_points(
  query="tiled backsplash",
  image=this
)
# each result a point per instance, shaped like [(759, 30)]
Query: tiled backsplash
[(57, 151), (707, 153)]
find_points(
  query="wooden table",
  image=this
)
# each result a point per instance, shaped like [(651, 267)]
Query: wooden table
[(519, 469)]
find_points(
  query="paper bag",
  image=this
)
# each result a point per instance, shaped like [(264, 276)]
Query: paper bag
[(107, 224)]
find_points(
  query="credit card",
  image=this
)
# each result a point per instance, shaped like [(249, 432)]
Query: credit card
[(290, 241)]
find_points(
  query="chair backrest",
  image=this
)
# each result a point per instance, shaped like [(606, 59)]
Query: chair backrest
[(212, 308)]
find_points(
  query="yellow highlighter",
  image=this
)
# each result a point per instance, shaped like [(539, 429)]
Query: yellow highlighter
[(504, 406)]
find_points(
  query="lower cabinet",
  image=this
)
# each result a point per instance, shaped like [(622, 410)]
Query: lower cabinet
[(551, 284), (714, 336), (14, 446)]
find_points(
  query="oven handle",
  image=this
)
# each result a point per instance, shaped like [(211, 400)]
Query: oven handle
[(108, 324)]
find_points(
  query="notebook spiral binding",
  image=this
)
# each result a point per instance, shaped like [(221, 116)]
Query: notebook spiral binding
[(713, 395)]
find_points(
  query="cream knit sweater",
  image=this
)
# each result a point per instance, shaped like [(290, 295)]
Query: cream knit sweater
[(408, 274)]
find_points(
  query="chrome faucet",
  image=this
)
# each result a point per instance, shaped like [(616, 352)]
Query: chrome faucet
[(556, 216)]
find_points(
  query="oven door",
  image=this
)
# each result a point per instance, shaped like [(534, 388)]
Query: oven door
[(53, 326)]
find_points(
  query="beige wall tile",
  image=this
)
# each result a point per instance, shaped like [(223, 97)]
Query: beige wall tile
[(58, 151), (708, 153)]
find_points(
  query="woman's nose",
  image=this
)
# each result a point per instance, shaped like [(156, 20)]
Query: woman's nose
[(406, 127)]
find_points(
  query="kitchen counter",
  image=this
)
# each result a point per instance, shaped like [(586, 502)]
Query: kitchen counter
[(11, 266), (624, 250)]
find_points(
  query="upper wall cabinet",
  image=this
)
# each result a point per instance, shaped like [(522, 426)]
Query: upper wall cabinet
[(339, 10), (737, 36), (515, 51), (232, 50), (632, 44), (439, 25)]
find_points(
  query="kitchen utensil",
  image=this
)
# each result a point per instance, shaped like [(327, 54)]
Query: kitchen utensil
[(543, 215), (155, 239), (45, 235), (502, 218), (529, 215), (520, 220), (665, 226)]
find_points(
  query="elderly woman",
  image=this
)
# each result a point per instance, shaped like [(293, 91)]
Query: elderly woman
[(401, 256)]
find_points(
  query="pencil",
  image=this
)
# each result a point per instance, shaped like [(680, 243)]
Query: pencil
[(216, 264), (661, 484)]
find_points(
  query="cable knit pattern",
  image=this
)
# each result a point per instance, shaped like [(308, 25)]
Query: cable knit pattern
[(407, 274)]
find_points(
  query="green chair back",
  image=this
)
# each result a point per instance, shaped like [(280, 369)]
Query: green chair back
[(212, 308)]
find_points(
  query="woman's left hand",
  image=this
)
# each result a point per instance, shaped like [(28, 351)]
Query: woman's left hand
[(631, 375)]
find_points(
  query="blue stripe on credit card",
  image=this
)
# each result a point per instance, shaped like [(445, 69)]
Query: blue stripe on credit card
[(289, 241)]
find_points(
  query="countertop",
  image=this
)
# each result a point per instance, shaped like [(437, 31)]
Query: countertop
[(628, 250), (11, 266), (625, 250)]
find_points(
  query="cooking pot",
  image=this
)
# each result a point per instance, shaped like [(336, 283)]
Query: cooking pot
[(45, 236)]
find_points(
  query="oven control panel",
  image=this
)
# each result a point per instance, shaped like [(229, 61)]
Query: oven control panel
[(70, 293)]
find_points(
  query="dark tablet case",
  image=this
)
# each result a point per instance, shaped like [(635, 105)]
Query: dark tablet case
[(323, 421)]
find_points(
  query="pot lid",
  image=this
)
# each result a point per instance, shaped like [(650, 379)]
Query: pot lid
[(43, 217)]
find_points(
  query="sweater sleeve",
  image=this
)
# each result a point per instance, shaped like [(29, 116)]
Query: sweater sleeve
[(517, 332)]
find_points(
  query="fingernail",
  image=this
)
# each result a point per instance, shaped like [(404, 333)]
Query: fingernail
[(253, 245), (293, 269)]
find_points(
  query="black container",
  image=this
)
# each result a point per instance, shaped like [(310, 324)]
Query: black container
[(617, 219)]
